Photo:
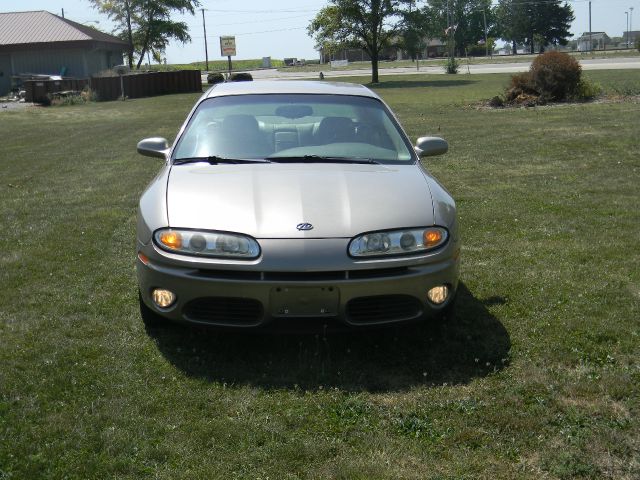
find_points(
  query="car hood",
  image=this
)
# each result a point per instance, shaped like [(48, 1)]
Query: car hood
[(270, 200)]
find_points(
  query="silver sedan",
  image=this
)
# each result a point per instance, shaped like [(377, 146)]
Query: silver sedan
[(295, 201)]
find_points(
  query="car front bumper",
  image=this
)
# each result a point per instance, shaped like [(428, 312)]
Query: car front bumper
[(334, 287)]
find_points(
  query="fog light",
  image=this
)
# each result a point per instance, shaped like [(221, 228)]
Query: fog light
[(438, 295), (163, 298)]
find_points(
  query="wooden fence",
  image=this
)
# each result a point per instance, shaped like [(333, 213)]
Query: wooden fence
[(136, 85)]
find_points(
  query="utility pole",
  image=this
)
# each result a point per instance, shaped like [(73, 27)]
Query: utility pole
[(590, 39), (630, 21), (63, 13), (486, 40), (206, 51), (627, 14)]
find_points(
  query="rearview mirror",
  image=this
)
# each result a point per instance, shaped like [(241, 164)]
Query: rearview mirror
[(154, 147), (431, 146)]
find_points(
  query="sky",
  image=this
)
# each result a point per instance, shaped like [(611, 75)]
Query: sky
[(277, 28)]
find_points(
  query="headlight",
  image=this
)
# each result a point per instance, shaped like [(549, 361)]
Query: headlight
[(207, 244), (398, 242)]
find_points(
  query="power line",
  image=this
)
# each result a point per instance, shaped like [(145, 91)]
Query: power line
[(257, 21), (263, 31)]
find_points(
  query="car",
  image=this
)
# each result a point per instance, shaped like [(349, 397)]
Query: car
[(295, 202)]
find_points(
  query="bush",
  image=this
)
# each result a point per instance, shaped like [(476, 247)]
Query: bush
[(496, 102), (452, 66), (638, 44), (241, 77), (555, 76), (214, 78), (521, 84), (587, 90)]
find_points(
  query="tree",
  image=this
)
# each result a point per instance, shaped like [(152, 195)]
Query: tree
[(466, 18), (146, 25), (366, 24), (544, 23), (413, 29), (511, 18)]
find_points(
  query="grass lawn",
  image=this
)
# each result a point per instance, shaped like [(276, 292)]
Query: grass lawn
[(538, 376)]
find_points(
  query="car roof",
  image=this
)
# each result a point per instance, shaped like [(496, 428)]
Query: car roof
[(292, 87)]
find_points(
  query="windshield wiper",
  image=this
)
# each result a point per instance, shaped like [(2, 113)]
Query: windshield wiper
[(321, 159), (215, 160)]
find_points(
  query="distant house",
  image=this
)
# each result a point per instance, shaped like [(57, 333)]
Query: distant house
[(593, 41), (43, 43)]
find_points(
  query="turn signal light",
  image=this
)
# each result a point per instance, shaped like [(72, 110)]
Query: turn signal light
[(171, 239), (432, 237)]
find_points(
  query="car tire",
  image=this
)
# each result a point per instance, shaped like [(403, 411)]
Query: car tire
[(150, 318)]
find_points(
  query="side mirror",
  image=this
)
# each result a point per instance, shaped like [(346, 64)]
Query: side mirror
[(154, 147), (431, 146)]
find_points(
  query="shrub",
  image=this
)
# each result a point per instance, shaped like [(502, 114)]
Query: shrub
[(638, 44), (452, 66), (521, 84), (214, 78), (241, 77), (89, 95), (555, 76), (496, 102), (587, 90)]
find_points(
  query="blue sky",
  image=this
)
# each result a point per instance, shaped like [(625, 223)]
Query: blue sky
[(278, 28)]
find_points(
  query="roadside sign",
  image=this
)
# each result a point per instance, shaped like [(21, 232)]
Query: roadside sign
[(228, 46)]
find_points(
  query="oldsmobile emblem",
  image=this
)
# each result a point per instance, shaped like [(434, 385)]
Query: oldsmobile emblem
[(304, 226)]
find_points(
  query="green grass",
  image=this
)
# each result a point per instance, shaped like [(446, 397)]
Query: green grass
[(215, 65), (537, 377)]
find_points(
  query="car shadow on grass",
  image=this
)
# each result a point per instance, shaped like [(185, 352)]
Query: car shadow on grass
[(472, 344)]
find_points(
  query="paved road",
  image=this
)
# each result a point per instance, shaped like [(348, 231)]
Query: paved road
[(595, 64)]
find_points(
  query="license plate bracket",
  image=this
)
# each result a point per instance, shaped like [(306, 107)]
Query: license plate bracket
[(304, 301)]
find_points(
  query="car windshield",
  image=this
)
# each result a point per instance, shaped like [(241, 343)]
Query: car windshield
[(294, 128)]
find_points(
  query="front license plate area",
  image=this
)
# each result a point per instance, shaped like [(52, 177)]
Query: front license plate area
[(304, 301)]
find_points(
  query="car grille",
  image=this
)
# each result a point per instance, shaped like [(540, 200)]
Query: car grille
[(225, 310), (383, 308), (303, 276)]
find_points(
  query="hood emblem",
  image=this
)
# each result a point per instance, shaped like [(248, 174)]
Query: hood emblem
[(304, 226)]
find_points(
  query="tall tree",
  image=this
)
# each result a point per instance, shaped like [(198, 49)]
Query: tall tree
[(146, 25), (466, 18), (367, 24), (543, 23), (413, 29), (512, 22)]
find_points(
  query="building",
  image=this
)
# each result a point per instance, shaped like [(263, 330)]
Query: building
[(43, 43), (630, 38), (593, 41)]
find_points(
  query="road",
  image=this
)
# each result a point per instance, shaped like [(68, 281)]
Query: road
[(595, 64)]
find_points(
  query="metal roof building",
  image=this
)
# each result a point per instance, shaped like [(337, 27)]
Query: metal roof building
[(43, 43)]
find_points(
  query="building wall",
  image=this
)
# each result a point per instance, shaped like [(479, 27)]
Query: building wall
[(5, 74), (51, 62), (71, 62)]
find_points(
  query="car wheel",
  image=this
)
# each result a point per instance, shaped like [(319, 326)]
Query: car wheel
[(150, 318)]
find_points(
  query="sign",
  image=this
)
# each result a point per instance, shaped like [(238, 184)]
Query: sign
[(228, 46)]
